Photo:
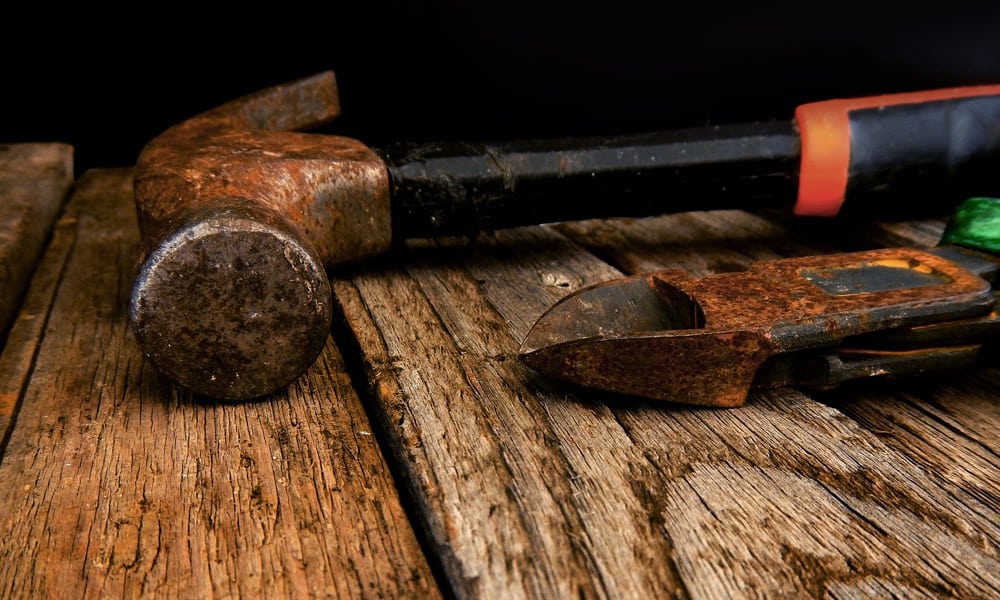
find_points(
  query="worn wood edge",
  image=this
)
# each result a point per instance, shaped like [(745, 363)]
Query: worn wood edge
[(518, 556), (640, 245), (34, 181), (616, 565), (384, 362), (28, 330), (388, 410), (115, 483), (841, 234)]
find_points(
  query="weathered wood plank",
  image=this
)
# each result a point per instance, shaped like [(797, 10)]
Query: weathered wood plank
[(28, 330), (948, 423), (115, 484), (34, 179), (534, 489), (498, 494)]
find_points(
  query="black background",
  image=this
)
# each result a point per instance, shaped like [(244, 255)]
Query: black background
[(107, 82)]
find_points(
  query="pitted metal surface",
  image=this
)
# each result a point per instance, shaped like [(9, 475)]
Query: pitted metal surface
[(231, 306), (335, 190), (238, 220), (671, 337)]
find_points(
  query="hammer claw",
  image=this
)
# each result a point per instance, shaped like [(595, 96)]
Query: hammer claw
[(294, 106)]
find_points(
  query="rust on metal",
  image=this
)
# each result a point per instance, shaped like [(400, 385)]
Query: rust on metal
[(238, 218), (702, 341), (335, 190)]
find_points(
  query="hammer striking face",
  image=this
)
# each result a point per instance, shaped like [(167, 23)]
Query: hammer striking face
[(240, 216), (232, 300)]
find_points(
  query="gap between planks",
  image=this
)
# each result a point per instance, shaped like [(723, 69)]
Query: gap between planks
[(114, 483), (536, 493)]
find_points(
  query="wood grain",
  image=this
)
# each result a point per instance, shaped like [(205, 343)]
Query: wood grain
[(949, 423), (34, 179), (533, 490), (115, 484)]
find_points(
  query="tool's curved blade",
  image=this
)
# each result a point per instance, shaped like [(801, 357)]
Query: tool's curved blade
[(624, 306), (629, 336)]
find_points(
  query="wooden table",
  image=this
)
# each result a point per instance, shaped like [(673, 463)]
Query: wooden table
[(419, 459)]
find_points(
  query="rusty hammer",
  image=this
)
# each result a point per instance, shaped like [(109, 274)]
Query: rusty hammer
[(240, 215)]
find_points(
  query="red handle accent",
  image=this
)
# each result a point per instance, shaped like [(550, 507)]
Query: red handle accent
[(824, 128)]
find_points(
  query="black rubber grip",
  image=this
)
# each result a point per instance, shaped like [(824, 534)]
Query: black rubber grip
[(931, 152)]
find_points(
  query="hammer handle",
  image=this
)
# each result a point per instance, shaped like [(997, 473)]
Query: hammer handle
[(906, 154), (464, 188)]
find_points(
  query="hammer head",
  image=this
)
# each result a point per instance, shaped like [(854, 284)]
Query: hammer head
[(239, 220), (231, 304)]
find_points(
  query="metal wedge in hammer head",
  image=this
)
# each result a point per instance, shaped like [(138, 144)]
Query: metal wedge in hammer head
[(238, 216)]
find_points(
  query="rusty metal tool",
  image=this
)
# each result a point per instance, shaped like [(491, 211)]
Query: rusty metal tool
[(240, 216), (812, 322)]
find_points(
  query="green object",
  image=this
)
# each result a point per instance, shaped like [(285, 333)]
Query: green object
[(975, 224)]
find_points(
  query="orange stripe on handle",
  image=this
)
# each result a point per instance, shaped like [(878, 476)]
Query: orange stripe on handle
[(824, 128)]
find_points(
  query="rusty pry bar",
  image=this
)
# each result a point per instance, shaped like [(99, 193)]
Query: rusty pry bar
[(812, 322)]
